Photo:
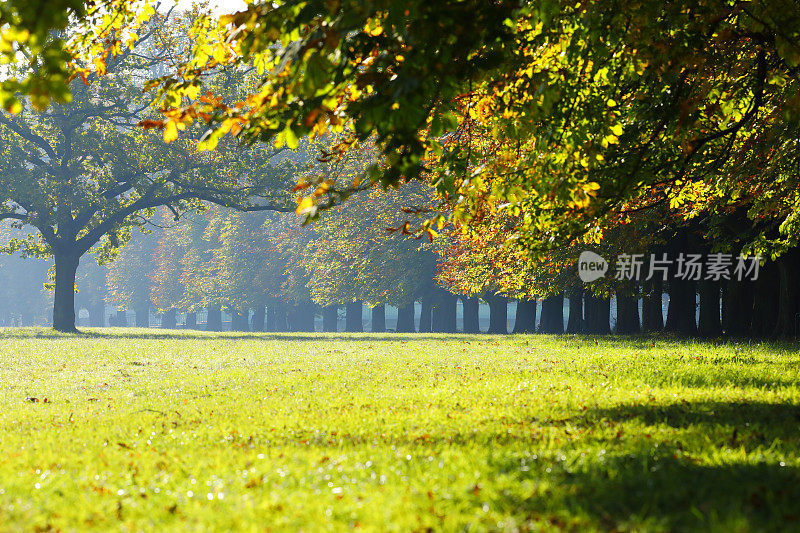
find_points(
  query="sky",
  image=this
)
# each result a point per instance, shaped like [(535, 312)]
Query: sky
[(219, 6)]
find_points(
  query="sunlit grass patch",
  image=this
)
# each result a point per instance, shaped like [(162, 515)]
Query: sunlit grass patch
[(156, 430)]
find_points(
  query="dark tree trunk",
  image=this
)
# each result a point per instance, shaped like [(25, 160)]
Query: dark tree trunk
[(470, 308), (575, 320), (239, 320), (737, 307), (354, 317), (272, 318), (598, 312), (765, 303), (444, 314), (259, 318), (191, 320), (64, 300), (426, 316), (525, 321), (142, 317), (682, 307), (788, 294), (121, 318), (498, 313), (709, 324), (214, 320), (405, 319), (330, 318), (628, 315), (552, 315), (379, 319), (652, 312), (302, 317), (280, 317), (97, 315), (169, 319)]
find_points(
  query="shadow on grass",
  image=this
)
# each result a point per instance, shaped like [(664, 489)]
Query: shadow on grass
[(166, 334), (638, 491)]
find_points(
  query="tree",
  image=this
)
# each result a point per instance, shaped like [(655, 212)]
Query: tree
[(84, 174)]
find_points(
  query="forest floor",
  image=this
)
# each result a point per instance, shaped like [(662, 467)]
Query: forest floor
[(143, 429)]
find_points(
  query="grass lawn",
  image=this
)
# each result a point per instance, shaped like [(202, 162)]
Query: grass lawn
[(140, 430)]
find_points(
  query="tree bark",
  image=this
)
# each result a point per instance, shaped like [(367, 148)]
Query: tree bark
[(426, 316), (97, 315), (302, 317), (737, 307), (142, 317), (709, 324), (121, 318), (169, 319), (765, 303), (191, 320), (239, 320), (575, 320), (498, 313), (628, 315), (525, 321), (259, 318), (444, 314), (379, 319), (330, 318), (405, 319), (471, 324), (64, 300), (682, 307), (214, 320), (598, 311), (788, 294), (552, 320), (354, 317), (652, 312)]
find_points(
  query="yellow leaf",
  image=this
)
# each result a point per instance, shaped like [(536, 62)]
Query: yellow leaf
[(305, 205), (170, 132)]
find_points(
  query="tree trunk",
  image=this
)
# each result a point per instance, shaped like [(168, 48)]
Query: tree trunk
[(575, 320), (121, 318), (598, 311), (498, 313), (239, 320), (682, 307), (709, 324), (444, 314), (330, 318), (97, 315), (628, 315), (142, 317), (354, 317), (426, 316), (470, 308), (64, 301), (214, 320), (302, 317), (765, 303), (737, 307), (652, 312), (405, 319), (191, 320), (259, 318), (788, 294), (379, 319), (552, 315), (525, 321), (169, 319)]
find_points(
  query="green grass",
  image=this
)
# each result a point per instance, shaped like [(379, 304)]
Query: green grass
[(145, 430)]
